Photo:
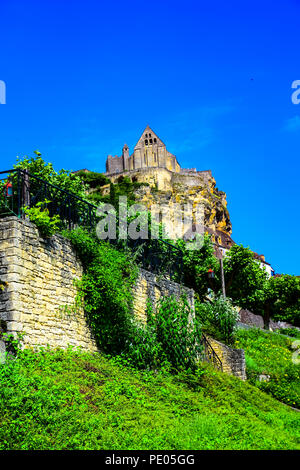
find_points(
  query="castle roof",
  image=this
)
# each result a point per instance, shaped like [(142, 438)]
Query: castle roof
[(148, 135)]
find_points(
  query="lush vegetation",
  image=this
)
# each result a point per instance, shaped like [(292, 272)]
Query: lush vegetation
[(106, 288), (292, 332), (70, 400), (64, 179), (271, 354), (170, 339), (196, 264), (124, 186), (149, 389), (39, 215), (248, 285), (93, 179), (218, 318)]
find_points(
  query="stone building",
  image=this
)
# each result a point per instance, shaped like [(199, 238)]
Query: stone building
[(149, 152)]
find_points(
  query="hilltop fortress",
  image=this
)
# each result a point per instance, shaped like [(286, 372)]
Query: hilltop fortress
[(165, 182)]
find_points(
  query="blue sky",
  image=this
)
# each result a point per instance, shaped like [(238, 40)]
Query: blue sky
[(213, 80)]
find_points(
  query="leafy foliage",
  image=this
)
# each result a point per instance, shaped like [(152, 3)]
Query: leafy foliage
[(93, 179), (106, 287), (171, 336), (249, 287), (177, 332), (243, 275), (124, 186), (271, 354), (39, 215), (196, 264), (292, 332), (64, 179)]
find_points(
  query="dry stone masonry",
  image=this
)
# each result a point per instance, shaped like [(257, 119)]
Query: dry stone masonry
[(150, 287), (39, 292)]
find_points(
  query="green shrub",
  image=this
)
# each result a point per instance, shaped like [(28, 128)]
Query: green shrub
[(64, 179), (39, 215), (171, 336), (218, 318), (293, 332), (93, 179), (106, 287), (177, 332)]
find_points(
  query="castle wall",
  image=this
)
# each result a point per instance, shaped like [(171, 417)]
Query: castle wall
[(152, 287), (114, 164), (39, 285), (38, 296)]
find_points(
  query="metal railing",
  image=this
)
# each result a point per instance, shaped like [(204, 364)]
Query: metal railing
[(19, 189)]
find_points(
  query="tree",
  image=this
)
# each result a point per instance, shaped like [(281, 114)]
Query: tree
[(64, 179), (196, 264), (217, 317), (243, 275), (249, 286), (279, 298)]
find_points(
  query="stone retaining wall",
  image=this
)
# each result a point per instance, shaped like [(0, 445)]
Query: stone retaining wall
[(152, 287), (233, 360), (38, 296), (39, 292)]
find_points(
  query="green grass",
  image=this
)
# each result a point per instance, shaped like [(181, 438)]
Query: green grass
[(71, 400), (271, 354)]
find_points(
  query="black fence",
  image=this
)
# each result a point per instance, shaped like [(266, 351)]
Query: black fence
[(19, 189)]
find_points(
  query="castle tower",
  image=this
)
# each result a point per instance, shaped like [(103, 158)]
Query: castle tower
[(125, 157)]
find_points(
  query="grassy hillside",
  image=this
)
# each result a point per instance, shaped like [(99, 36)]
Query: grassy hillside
[(71, 400), (270, 354)]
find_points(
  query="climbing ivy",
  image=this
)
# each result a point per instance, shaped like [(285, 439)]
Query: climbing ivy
[(106, 288)]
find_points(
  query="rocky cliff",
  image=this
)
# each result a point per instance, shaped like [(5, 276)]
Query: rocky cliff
[(165, 187)]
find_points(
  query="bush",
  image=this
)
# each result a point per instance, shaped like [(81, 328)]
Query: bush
[(64, 179), (106, 287), (170, 338), (218, 318), (39, 215), (293, 332)]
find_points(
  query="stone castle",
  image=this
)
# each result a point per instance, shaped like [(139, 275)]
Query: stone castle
[(168, 183), (149, 152), (165, 182)]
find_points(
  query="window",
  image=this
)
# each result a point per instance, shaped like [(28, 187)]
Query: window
[(150, 141), (154, 140), (146, 135), (146, 142), (154, 156)]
